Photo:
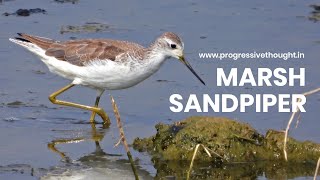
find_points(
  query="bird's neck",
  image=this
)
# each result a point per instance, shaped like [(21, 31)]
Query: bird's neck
[(155, 56), (153, 59)]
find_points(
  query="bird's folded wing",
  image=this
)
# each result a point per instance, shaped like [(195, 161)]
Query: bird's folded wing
[(81, 52)]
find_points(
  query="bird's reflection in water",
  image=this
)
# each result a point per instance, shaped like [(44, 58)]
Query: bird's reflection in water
[(96, 136), (97, 164)]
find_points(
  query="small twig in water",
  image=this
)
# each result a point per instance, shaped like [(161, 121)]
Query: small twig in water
[(290, 121), (298, 121), (207, 150), (193, 157), (123, 138), (118, 143), (317, 169)]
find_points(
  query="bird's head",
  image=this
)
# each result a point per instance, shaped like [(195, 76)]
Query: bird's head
[(171, 45)]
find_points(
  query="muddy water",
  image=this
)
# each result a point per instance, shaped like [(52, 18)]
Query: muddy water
[(29, 122)]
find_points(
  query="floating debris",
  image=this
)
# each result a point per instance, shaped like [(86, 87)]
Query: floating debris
[(11, 119), (66, 1), (87, 27), (315, 7), (26, 12), (164, 80), (2, 1), (3, 94), (315, 14), (16, 103), (38, 72)]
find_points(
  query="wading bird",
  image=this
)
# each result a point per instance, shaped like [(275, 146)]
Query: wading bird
[(102, 64)]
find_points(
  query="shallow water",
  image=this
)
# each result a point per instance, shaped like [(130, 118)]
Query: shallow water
[(207, 26)]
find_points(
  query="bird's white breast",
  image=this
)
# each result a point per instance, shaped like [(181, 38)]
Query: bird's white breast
[(114, 75)]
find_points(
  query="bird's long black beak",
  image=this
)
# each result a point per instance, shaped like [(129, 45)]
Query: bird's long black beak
[(185, 62)]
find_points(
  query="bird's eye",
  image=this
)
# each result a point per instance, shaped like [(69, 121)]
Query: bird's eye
[(173, 46)]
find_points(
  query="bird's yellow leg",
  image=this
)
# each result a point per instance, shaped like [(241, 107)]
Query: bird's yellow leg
[(97, 110), (96, 104)]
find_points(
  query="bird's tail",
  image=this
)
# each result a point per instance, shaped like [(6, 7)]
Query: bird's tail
[(42, 42), (35, 44)]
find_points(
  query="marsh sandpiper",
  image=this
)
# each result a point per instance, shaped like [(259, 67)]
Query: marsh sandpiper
[(102, 64)]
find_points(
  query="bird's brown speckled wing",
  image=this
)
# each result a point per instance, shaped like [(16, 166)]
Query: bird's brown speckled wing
[(80, 52)]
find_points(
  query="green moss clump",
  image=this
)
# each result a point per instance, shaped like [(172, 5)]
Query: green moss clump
[(232, 140)]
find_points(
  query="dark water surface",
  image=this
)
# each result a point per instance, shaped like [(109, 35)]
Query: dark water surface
[(31, 121)]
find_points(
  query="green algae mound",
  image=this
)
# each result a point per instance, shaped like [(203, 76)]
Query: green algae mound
[(232, 140)]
